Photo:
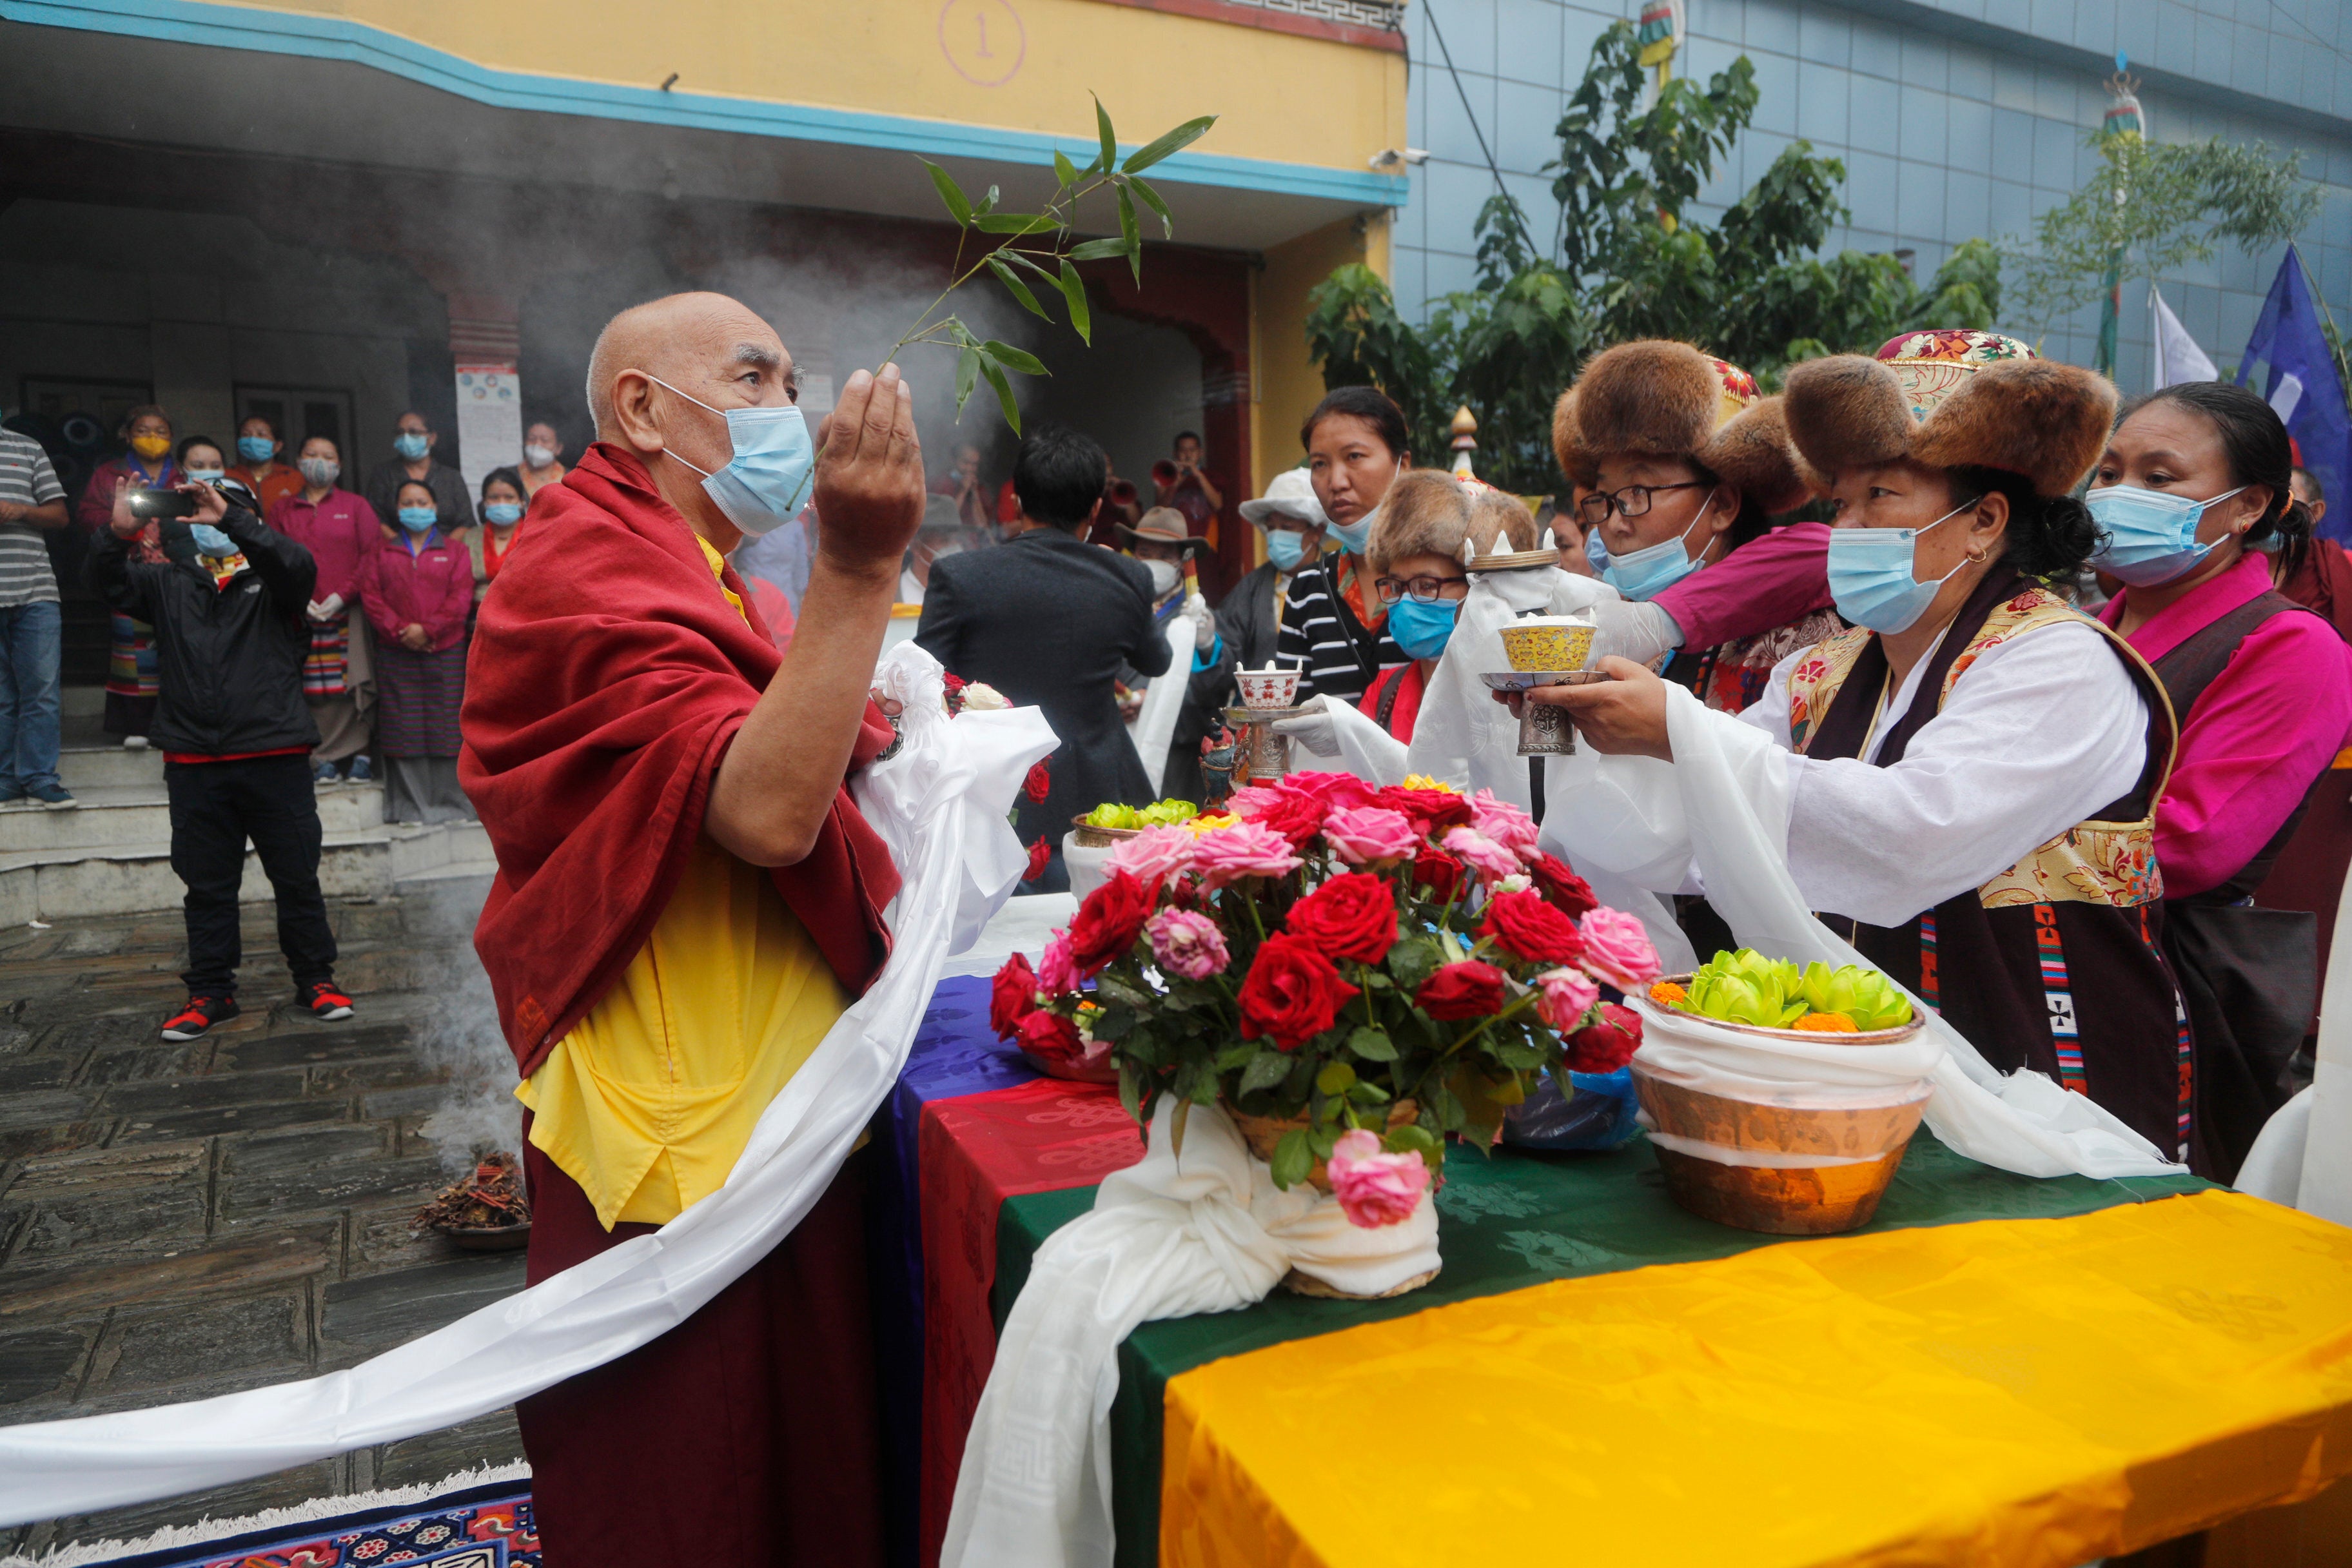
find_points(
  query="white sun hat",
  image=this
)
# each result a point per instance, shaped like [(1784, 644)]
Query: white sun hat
[(1291, 494)]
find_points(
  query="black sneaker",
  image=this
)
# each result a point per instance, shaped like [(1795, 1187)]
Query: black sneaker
[(320, 999), (199, 1015)]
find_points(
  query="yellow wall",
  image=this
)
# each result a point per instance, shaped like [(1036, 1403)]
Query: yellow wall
[(1288, 385), (1280, 97)]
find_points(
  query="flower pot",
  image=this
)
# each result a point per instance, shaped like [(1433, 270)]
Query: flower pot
[(1090, 837), (1263, 1132), (1816, 1037)]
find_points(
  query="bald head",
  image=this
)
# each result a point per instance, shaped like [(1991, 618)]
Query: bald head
[(700, 344)]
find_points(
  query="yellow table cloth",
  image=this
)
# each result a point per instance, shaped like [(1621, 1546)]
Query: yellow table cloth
[(2008, 1391)]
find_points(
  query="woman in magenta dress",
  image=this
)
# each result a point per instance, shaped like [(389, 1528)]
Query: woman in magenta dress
[(416, 592), (2193, 498)]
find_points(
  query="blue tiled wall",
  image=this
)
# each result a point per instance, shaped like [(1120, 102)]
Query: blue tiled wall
[(1955, 119)]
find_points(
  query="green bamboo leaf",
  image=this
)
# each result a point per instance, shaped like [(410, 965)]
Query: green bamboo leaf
[(1003, 392), (1096, 250), (1126, 232), (1018, 290), (958, 208), (987, 202), (1063, 170), (1074, 294), (1150, 198), (1012, 223), (966, 376), (1026, 364), (1109, 139), (1176, 141)]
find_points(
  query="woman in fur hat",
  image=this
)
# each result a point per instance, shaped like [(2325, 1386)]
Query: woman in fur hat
[(1415, 554), (1676, 462), (2194, 502), (1976, 765)]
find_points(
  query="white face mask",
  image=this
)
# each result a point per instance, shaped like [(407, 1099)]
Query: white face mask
[(539, 457), (1164, 577)]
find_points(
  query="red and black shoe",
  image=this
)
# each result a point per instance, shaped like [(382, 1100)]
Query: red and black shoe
[(198, 1017), (321, 1000)]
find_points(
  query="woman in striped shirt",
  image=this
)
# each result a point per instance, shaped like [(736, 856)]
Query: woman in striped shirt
[(1334, 626)]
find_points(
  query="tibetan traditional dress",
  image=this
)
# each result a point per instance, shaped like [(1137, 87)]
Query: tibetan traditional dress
[(2055, 965)]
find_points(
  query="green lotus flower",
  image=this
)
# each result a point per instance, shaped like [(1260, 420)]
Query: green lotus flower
[(1167, 813), (1746, 987), (1112, 814), (1865, 995)]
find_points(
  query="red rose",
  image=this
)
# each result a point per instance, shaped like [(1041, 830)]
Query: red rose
[(1041, 855), (1013, 994), (1108, 923), (1607, 1046), (1291, 995), (1293, 812), (1051, 1035), (1432, 810), (1524, 925), (1439, 872), (1466, 990), (1038, 783), (1351, 916), (1566, 890), (1337, 792), (954, 682)]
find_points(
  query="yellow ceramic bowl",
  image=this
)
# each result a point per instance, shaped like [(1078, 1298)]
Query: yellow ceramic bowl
[(1547, 644)]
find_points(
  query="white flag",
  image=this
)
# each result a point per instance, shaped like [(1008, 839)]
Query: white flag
[(2178, 357)]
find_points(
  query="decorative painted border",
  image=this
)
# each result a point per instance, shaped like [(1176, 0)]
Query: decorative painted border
[(1364, 24), (330, 38)]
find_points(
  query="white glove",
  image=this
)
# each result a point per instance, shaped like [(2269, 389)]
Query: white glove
[(1633, 629), (1313, 728), (327, 608), (1204, 633)]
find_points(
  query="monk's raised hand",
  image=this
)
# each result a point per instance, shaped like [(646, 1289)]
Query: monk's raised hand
[(869, 477)]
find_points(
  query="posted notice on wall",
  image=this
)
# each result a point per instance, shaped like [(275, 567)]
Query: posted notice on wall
[(489, 421)]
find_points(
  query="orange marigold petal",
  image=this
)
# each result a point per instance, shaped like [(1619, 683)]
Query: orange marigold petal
[(1665, 994), (1827, 1024)]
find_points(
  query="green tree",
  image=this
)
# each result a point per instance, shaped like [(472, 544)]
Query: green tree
[(1627, 263), (2160, 206)]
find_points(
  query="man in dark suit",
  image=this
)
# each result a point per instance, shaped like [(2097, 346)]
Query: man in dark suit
[(1047, 618)]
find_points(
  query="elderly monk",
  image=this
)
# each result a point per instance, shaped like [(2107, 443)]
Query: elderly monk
[(687, 899)]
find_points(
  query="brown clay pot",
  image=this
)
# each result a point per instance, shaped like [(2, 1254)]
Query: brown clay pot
[(1263, 1132)]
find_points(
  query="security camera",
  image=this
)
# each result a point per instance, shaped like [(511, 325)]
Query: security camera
[(1390, 157)]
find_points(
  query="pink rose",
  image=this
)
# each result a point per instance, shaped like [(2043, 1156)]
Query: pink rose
[(1375, 1189), (1057, 972), (1481, 852), (1227, 855), (1503, 823), (1186, 945), (1616, 949), (1153, 855), (1364, 834), (1567, 996), (1336, 790)]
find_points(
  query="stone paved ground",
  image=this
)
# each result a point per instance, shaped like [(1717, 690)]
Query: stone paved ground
[(181, 1221)]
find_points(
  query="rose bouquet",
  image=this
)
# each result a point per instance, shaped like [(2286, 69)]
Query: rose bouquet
[(1358, 972)]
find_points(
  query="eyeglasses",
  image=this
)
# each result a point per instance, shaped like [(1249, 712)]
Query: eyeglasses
[(1633, 501), (1420, 590)]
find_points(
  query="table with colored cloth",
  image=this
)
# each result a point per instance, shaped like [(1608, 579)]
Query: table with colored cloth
[(1996, 1370)]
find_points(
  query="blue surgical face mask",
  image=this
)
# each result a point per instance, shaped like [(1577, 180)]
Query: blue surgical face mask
[(2147, 536), (1871, 575), (1422, 630), (1651, 570), (504, 514), (212, 541), (1285, 547), (409, 445), (255, 448), (207, 476), (765, 484), (417, 519)]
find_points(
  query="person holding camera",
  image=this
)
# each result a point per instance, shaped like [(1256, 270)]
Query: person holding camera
[(226, 603)]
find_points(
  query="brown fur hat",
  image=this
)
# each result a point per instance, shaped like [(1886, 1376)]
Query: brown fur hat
[(1425, 512), (1500, 523), (1752, 453), (1578, 461), (2044, 421), (1667, 399)]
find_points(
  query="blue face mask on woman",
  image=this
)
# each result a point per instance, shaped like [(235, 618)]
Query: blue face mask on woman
[(417, 519), (1872, 574), (763, 486), (2147, 536), (503, 513), (410, 444), (1651, 571), (1422, 630), (1285, 547), (1357, 536), (255, 448)]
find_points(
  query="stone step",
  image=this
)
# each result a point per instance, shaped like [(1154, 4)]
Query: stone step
[(81, 701), (83, 768), (112, 814), (130, 879)]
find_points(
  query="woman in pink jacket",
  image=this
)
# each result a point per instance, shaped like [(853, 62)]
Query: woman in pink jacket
[(416, 591), (340, 531)]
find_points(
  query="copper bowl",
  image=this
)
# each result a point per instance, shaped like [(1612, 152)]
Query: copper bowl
[(1816, 1037), (1103, 1072), (1780, 1200)]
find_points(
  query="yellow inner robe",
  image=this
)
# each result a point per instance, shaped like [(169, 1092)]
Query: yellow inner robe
[(648, 1103)]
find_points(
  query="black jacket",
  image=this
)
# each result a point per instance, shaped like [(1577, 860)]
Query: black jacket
[(1047, 618), (228, 659)]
